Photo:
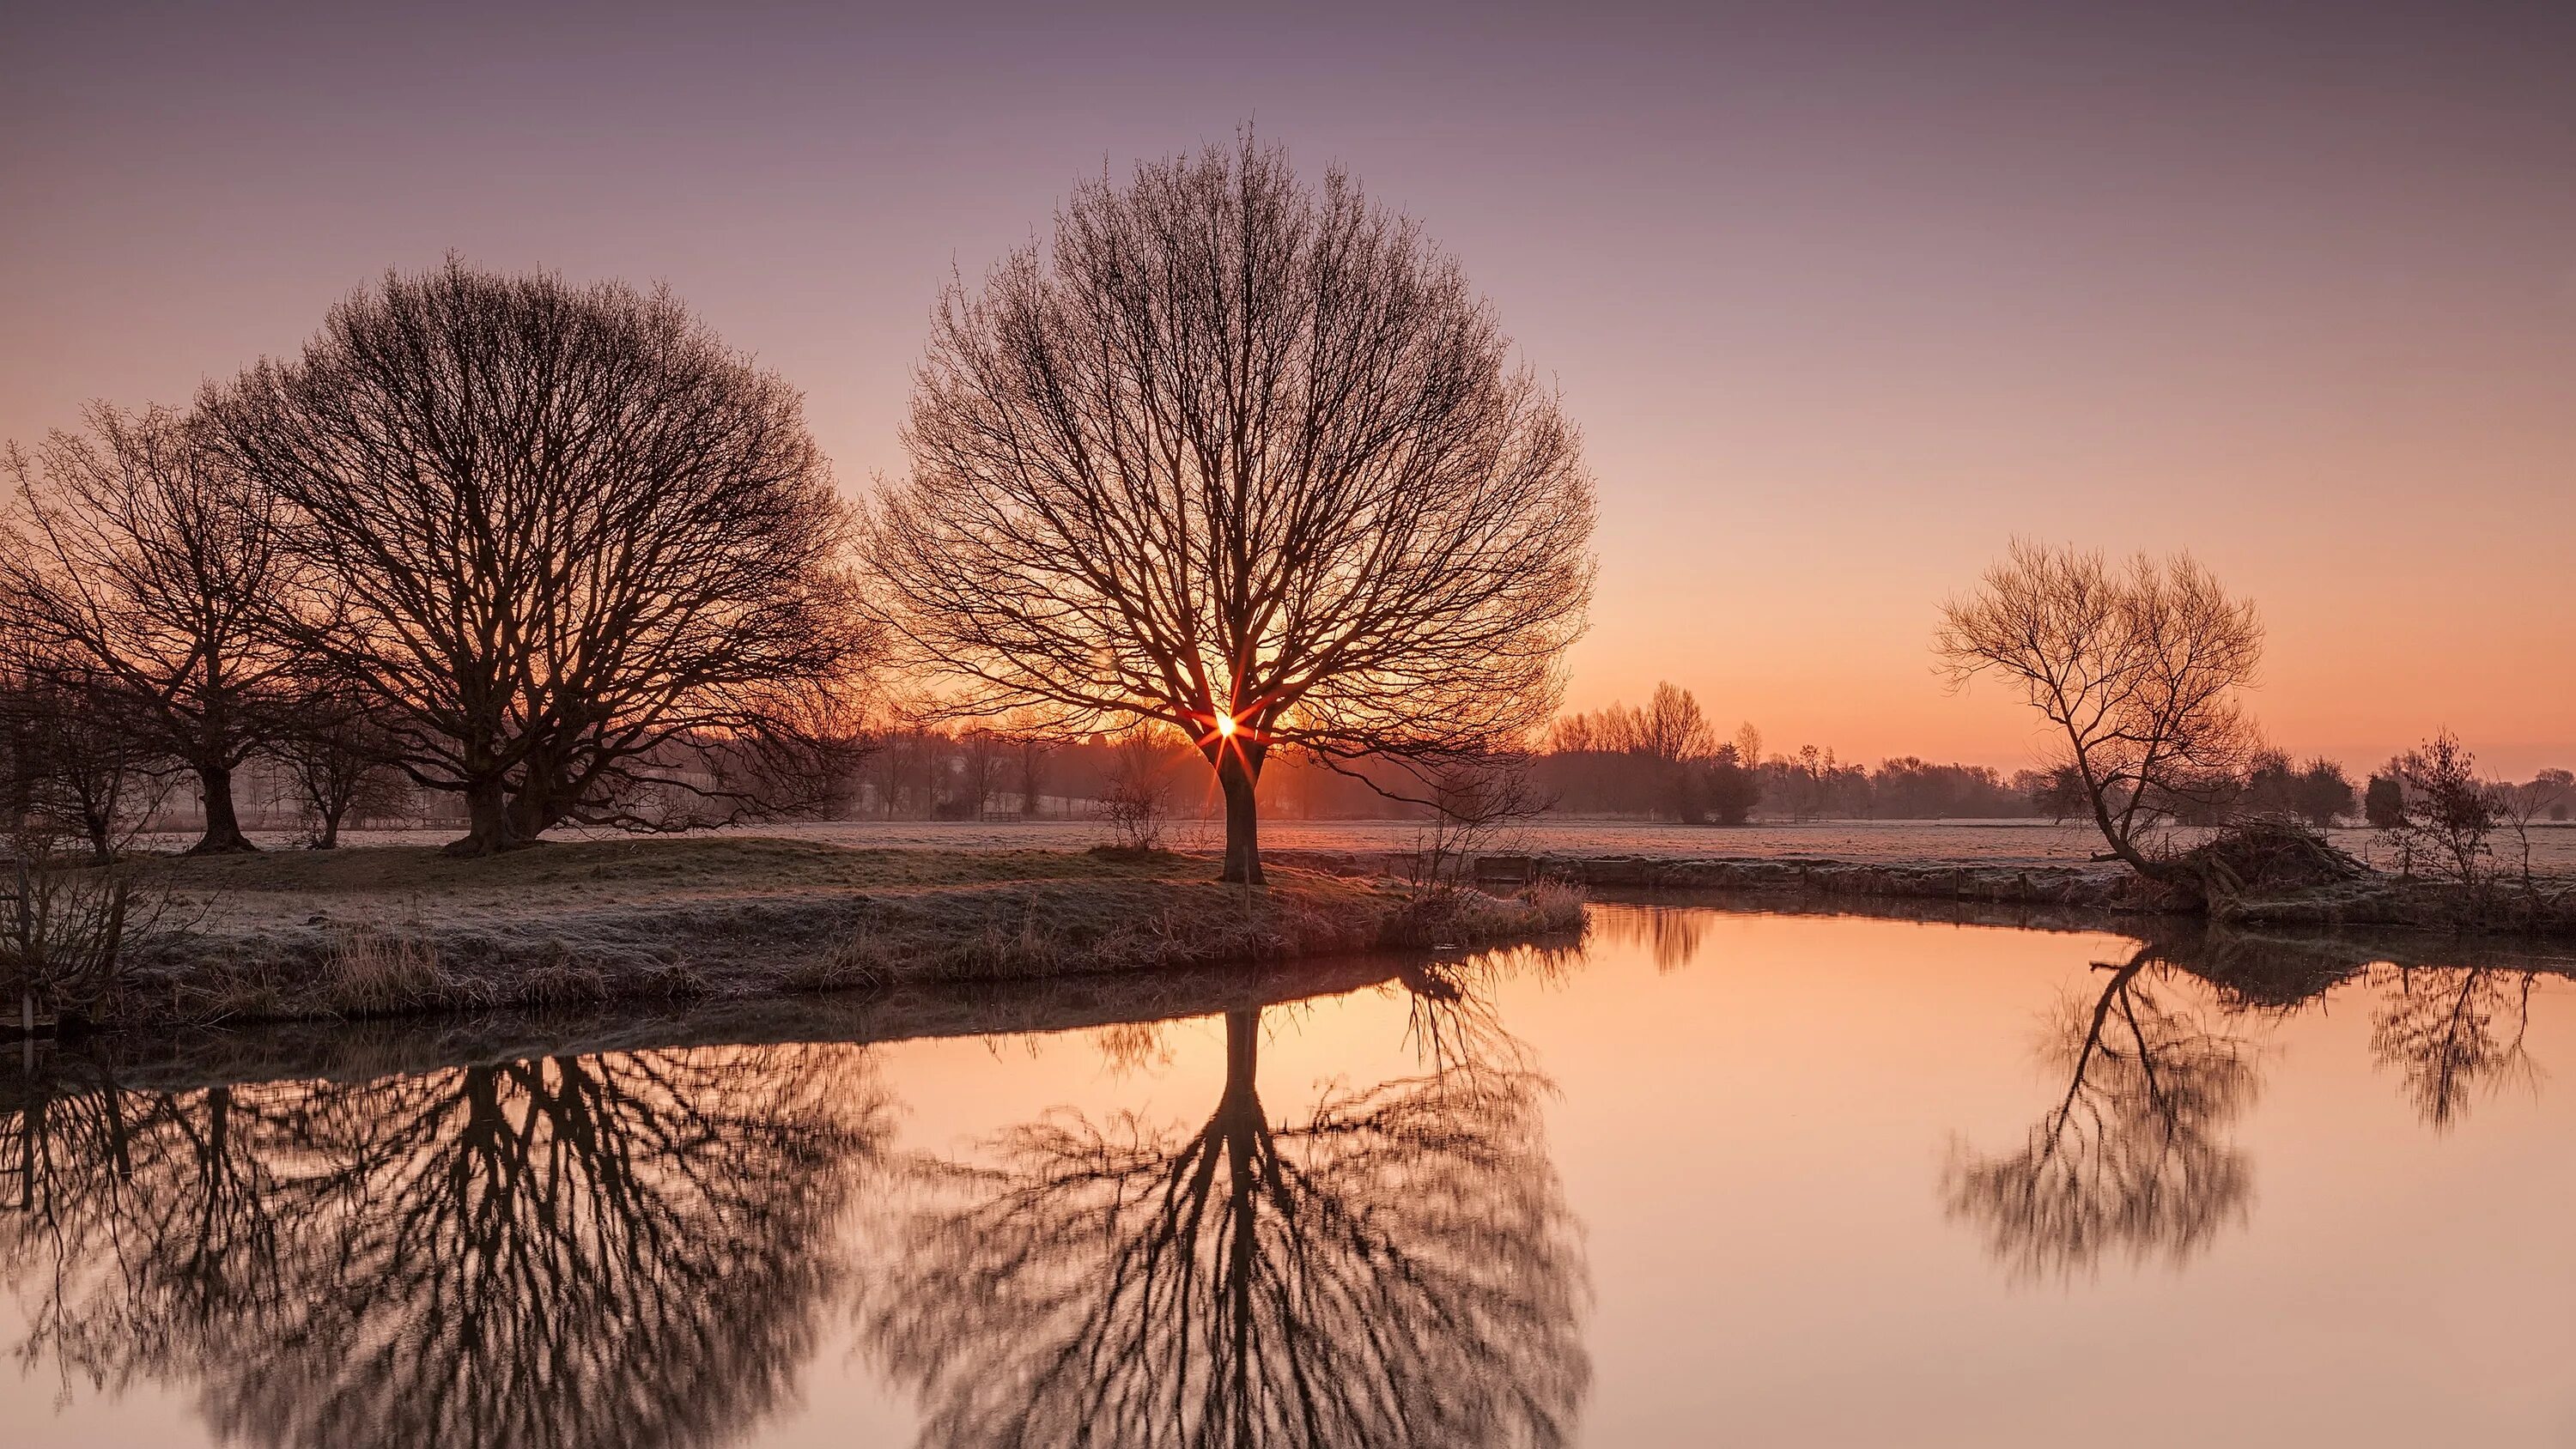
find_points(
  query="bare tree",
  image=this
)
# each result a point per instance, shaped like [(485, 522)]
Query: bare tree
[(2137, 668), (2446, 813), (339, 759), (139, 553), (565, 538), (982, 756), (1031, 752), (76, 767), (1246, 458)]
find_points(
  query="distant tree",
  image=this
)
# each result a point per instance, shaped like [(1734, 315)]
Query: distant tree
[(1675, 734), (338, 759), (1911, 789), (2323, 793), (1748, 745), (1247, 459), (75, 769), (982, 756), (1676, 729), (563, 538), (1729, 791), (2384, 803), (2557, 792), (1032, 751), (139, 554), (2058, 793), (2271, 785), (2138, 668)]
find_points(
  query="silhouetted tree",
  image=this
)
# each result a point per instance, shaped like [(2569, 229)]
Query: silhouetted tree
[(568, 543), (75, 768), (2138, 669), (1247, 459), (338, 758), (1397, 1269), (2383, 805), (140, 556), (2447, 812)]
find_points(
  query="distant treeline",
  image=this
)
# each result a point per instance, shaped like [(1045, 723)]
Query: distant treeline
[(1664, 761)]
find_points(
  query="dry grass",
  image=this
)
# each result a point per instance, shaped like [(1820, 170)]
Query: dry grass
[(366, 932)]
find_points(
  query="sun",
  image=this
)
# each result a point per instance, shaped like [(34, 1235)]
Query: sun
[(1225, 725)]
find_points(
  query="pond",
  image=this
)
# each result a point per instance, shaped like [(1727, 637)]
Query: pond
[(1715, 1176)]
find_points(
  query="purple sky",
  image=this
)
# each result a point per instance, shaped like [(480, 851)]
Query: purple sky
[(1843, 297)]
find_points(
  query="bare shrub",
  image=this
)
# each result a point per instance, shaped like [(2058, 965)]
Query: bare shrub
[(1135, 802), (68, 932), (2448, 813)]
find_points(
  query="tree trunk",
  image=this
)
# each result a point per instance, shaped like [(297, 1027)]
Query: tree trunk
[(1237, 772), (223, 825), (489, 829)]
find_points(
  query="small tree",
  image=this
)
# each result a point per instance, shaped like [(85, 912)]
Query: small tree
[(2136, 669), (1032, 753), (1728, 790), (2323, 794), (339, 761), (77, 768), (2449, 812), (1135, 799), (982, 757), (2383, 805), (1247, 459), (139, 554)]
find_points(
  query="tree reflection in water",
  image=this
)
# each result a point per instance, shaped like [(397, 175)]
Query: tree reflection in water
[(630, 1248), (2133, 1159), (1397, 1269), (1672, 938), (2450, 1031)]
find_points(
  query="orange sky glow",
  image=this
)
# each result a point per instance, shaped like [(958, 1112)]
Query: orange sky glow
[(1843, 298)]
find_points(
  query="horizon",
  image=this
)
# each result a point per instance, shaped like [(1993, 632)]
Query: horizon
[(1835, 323)]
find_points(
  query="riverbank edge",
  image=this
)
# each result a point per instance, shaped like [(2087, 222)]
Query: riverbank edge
[(287, 937), (2543, 908)]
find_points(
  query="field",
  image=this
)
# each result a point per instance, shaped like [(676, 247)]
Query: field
[(2005, 843)]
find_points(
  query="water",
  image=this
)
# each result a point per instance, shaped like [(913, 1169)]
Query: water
[(1717, 1177)]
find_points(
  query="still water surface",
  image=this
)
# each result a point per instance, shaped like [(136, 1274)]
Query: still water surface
[(1714, 1177)]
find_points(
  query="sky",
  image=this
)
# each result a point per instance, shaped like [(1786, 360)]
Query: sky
[(1843, 297)]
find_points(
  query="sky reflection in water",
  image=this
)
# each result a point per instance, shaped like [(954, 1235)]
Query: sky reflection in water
[(1772, 1179)]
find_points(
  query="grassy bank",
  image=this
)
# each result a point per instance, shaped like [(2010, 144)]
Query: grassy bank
[(2542, 907), (366, 932)]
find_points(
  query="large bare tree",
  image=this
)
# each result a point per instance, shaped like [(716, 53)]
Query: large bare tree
[(1245, 457), (2137, 670), (140, 555), (579, 549)]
